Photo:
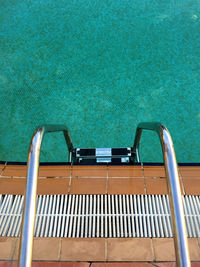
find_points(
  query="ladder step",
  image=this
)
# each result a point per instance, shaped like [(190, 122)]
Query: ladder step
[(102, 155)]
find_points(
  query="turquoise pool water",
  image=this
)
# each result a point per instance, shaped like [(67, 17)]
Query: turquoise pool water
[(100, 67)]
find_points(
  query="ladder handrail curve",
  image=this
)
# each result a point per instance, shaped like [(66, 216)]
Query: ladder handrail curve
[(27, 230), (173, 185)]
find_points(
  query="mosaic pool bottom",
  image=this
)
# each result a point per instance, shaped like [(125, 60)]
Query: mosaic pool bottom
[(100, 68)]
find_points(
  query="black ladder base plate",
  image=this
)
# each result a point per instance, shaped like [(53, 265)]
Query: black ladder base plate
[(102, 155)]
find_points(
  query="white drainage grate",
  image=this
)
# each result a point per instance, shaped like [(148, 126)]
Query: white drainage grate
[(99, 216)]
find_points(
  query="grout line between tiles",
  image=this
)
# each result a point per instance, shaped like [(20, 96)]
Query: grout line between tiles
[(70, 180), (181, 181), (60, 250), (106, 249), (3, 168), (198, 243), (145, 187), (13, 177), (13, 253), (154, 251)]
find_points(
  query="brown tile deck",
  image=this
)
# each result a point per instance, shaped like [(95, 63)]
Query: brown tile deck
[(54, 171), (134, 249), (15, 171), (2, 166), (99, 264), (44, 171), (154, 171), (83, 249), (156, 186), (54, 264), (121, 264), (99, 249), (89, 171), (126, 186), (53, 186), (194, 249), (99, 180), (15, 186), (190, 172), (192, 186), (125, 171), (7, 247), (46, 249), (88, 186), (5, 264), (166, 264), (164, 249)]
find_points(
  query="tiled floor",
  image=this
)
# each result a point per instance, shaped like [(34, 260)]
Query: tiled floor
[(99, 249), (96, 264), (98, 179)]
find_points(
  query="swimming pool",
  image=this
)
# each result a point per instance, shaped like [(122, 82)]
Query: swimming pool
[(100, 67)]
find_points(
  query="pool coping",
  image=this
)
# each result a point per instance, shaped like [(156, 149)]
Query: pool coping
[(99, 179), (99, 164)]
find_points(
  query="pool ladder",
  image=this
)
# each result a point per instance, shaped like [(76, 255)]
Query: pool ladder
[(105, 155)]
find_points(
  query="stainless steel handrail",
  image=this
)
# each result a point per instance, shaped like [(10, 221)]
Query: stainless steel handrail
[(173, 184), (26, 242)]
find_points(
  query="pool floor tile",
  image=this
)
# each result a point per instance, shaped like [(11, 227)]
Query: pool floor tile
[(126, 186)]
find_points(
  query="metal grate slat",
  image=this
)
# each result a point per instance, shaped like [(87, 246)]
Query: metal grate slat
[(99, 216)]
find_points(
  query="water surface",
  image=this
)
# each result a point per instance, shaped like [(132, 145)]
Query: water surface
[(100, 67)]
